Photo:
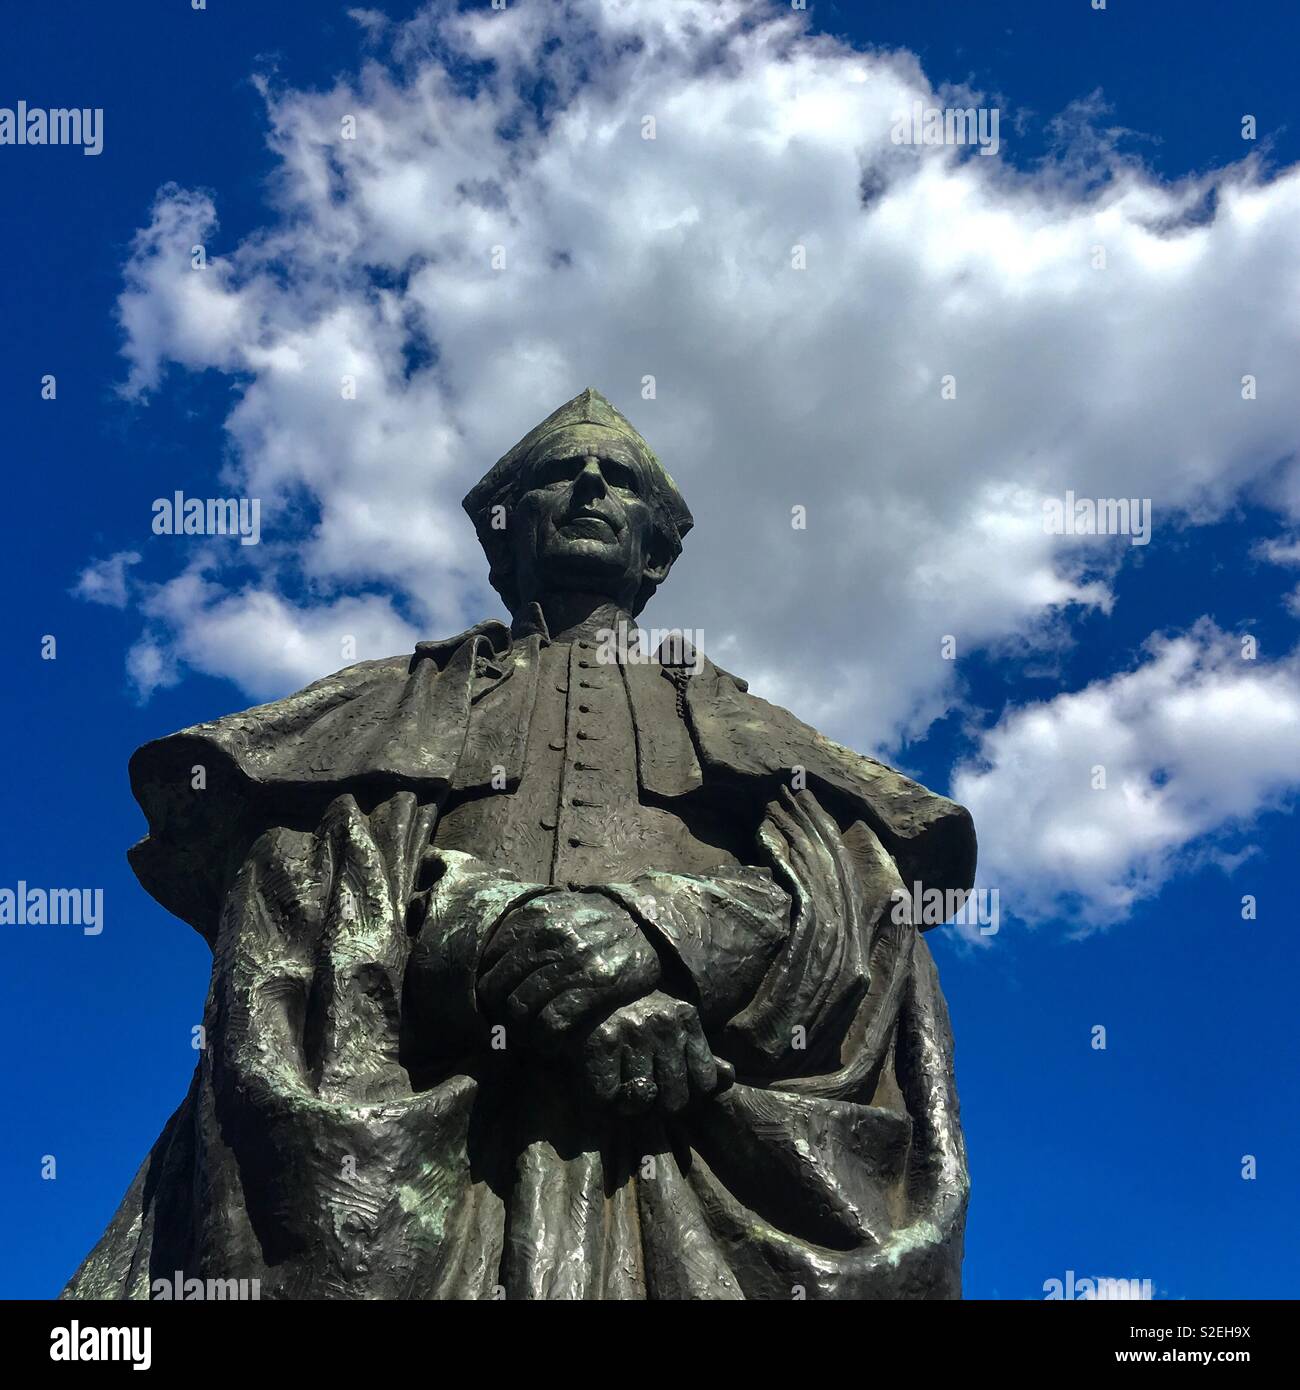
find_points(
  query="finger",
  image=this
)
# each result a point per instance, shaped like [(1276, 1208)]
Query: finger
[(670, 1074), (537, 990), (546, 937), (602, 1065), (701, 1066), (513, 969), (597, 986), (569, 1010), (637, 1090)]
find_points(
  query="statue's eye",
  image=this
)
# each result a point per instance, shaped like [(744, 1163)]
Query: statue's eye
[(558, 471), (618, 474), (563, 470)]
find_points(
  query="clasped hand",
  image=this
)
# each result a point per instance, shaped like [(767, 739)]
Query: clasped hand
[(575, 974)]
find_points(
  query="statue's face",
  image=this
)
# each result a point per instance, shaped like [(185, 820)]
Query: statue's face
[(583, 521)]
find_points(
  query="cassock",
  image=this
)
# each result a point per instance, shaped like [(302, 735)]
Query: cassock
[(357, 1128)]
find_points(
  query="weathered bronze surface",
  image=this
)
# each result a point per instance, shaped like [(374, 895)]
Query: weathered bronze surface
[(538, 974)]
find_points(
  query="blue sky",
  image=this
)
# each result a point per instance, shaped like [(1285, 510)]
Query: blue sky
[(1120, 909)]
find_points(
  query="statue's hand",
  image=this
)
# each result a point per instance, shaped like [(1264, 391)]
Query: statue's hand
[(651, 1055), (560, 960)]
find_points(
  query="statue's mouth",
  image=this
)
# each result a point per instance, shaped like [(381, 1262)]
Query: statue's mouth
[(589, 526)]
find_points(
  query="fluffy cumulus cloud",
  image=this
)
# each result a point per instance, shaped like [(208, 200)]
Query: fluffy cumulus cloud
[(256, 638), (499, 233), (1098, 795), (104, 581)]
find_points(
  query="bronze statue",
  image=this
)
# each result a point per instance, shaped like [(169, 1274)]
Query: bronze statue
[(546, 968)]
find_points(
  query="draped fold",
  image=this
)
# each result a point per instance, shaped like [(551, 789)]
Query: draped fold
[(834, 1168)]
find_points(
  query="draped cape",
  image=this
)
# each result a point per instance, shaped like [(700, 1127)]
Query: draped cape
[(310, 1155)]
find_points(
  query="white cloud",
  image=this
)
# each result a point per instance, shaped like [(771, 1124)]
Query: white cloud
[(1281, 550), (671, 257), (1194, 740), (151, 666), (256, 638), (104, 581), (373, 22)]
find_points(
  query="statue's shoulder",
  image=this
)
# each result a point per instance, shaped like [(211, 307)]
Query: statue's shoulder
[(739, 732), (233, 735), (245, 729), (205, 789)]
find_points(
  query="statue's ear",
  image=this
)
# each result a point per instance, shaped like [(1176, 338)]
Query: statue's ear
[(658, 560)]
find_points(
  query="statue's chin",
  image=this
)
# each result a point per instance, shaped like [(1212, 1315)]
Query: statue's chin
[(585, 555), (585, 577)]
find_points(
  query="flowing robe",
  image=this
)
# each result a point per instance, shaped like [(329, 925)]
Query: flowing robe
[(354, 1128)]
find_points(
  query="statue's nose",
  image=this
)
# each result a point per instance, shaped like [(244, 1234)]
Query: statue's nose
[(590, 481)]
